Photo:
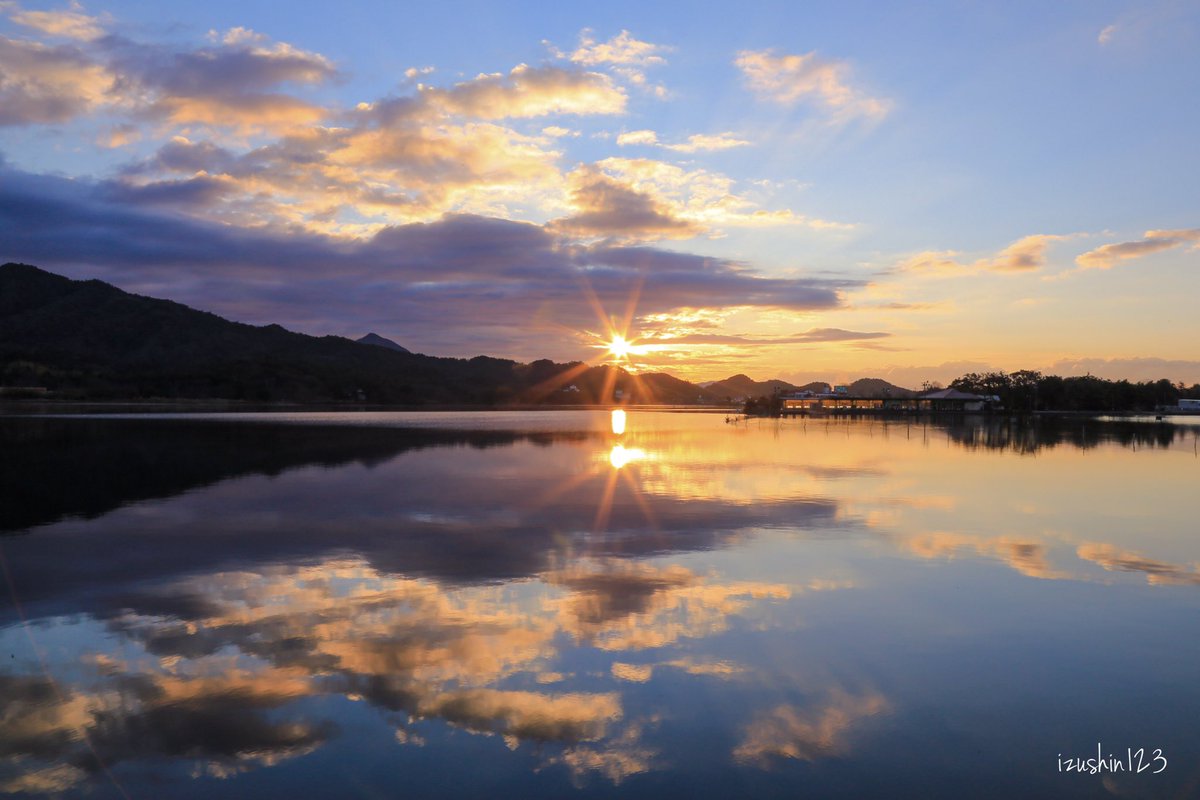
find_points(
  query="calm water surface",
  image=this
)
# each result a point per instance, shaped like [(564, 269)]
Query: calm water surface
[(529, 604)]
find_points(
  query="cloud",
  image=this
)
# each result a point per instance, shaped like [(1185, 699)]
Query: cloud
[(416, 72), (622, 49), (1023, 255), (462, 280), (1108, 255), (529, 92), (725, 670), (119, 136), (201, 191), (1114, 559), (698, 142), (222, 722), (622, 55), (1026, 556), (220, 663), (232, 84), (637, 137), (606, 207), (837, 335), (402, 158), (51, 780), (814, 335), (1106, 34), (241, 111), (790, 732), (574, 717), (242, 64), (931, 261), (44, 84), (249, 168), (705, 199), (408, 170), (789, 79), (634, 673), (616, 760), (68, 24), (620, 606), (352, 181)]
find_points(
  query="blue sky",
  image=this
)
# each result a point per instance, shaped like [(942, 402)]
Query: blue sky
[(806, 191)]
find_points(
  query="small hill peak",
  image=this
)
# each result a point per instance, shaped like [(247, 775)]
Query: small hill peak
[(379, 341)]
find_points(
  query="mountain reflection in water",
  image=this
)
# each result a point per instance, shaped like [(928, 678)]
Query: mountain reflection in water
[(664, 604)]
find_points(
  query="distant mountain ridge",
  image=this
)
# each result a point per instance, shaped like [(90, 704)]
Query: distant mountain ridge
[(742, 386), (91, 340)]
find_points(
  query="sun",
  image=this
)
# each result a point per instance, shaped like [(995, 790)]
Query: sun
[(619, 348)]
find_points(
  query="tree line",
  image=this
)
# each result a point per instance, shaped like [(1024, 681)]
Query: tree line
[(1028, 390)]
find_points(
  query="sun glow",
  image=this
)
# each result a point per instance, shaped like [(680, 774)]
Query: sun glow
[(620, 455), (619, 348)]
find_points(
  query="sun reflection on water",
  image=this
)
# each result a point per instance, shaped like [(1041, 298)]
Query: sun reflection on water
[(620, 455)]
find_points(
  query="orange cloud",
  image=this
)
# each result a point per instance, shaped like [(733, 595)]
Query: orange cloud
[(1026, 556), (529, 92), (157, 715), (622, 55), (1025, 254), (401, 159), (1028, 253), (228, 85), (621, 606), (698, 142), (48, 84), (634, 673), (573, 717), (637, 137), (606, 207), (69, 24), (1108, 255), (243, 112), (617, 760), (789, 79), (1114, 559), (694, 200), (715, 669), (931, 261), (621, 49), (806, 734)]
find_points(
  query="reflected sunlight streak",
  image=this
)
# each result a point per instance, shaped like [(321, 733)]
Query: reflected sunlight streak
[(620, 455)]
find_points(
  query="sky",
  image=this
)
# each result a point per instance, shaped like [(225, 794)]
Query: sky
[(806, 191)]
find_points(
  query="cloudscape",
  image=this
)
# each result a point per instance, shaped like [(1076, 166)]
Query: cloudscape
[(790, 192)]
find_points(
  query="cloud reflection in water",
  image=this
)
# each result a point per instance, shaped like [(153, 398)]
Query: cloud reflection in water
[(217, 618)]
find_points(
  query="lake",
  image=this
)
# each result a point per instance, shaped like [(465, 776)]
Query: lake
[(567, 604)]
